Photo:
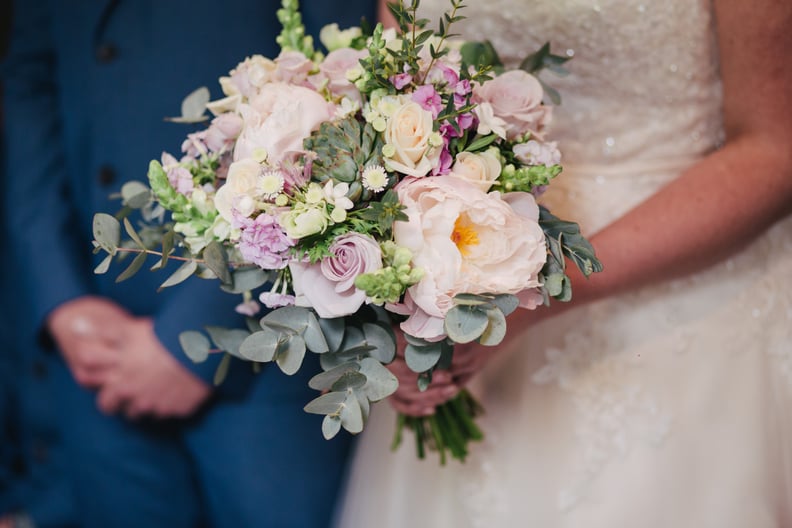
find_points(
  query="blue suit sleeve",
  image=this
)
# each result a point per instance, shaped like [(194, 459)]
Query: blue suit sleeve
[(44, 251)]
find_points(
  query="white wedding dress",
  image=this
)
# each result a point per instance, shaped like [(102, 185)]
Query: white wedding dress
[(666, 408)]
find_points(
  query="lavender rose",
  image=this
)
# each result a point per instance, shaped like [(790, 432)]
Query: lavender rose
[(329, 286)]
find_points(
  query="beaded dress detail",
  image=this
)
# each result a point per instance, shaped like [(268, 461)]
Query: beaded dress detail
[(667, 407)]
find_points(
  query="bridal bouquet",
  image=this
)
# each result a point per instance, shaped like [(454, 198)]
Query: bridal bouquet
[(386, 186)]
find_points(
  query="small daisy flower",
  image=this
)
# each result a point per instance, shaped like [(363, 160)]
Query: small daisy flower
[(375, 178), (270, 184)]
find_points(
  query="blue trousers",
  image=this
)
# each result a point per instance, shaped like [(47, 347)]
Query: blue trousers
[(259, 461)]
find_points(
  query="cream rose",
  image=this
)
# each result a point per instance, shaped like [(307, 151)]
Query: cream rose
[(466, 241), (239, 189), (408, 131), (515, 98), (480, 169)]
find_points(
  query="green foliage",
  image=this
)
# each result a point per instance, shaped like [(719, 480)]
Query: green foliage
[(544, 59), (564, 240), (384, 212), (525, 179)]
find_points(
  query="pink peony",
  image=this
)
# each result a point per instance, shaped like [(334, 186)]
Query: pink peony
[(466, 241), (278, 119), (334, 69), (292, 67), (329, 286), (515, 98)]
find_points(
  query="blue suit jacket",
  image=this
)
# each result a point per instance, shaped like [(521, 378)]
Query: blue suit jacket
[(86, 87)]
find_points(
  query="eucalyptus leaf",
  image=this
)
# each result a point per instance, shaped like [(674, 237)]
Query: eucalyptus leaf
[(293, 317), (246, 279), (217, 261), (222, 370), (424, 380), (328, 403), (365, 405), (181, 274), (333, 330), (331, 425), (481, 142), (314, 338), (135, 194), (351, 414), (260, 346), (133, 267), (104, 265), (325, 380), (421, 359), (470, 299), (290, 355), (381, 382), (228, 339), (193, 107), (382, 340), (554, 284), (496, 329), (195, 345), (464, 324), (349, 380), (507, 303), (106, 232)]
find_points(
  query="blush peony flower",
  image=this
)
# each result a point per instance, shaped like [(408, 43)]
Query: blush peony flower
[(334, 69), (466, 241), (278, 119), (409, 131), (514, 97), (329, 286), (293, 67), (249, 76)]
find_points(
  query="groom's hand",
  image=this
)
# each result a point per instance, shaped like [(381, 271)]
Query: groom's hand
[(86, 331), (148, 380)]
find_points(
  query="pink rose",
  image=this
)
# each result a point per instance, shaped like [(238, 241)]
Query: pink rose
[(278, 119), (334, 69), (329, 286), (466, 241), (514, 98)]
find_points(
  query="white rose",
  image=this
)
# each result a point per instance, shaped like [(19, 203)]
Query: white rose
[(408, 131), (240, 184), (481, 169)]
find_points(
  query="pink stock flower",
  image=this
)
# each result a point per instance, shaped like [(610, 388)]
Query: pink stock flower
[(428, 98), (401, 80), (329, 286), (263, 242), (273, 299), (466, 241)]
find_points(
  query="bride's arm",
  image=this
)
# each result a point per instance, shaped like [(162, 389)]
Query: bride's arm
[(732, 195)]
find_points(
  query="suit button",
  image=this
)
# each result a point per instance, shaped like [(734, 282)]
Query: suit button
[(106, 53), (107, 175)]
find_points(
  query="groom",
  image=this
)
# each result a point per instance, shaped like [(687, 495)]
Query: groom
[(150, 441)]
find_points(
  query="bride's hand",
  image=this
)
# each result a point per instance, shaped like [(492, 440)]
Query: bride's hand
[(408, 399)]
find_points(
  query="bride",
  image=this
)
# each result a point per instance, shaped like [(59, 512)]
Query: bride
[(663, 396)]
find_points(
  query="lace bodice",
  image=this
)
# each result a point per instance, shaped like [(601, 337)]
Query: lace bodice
[(657, 103)]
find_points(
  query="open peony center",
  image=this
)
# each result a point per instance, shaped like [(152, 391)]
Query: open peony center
[(464, 235)]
